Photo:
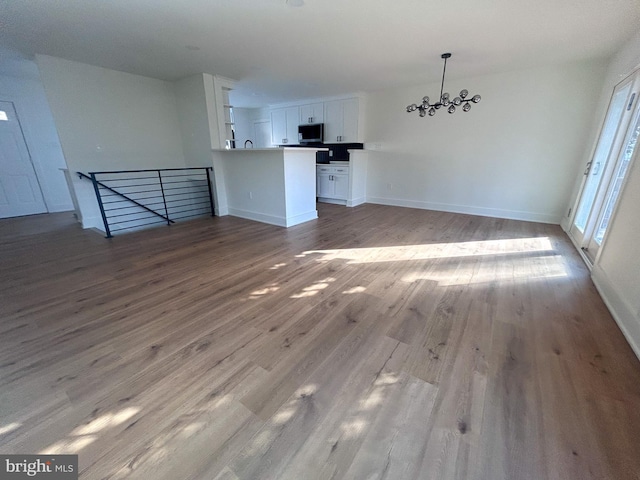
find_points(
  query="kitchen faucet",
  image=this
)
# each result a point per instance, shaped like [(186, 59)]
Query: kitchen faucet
[(248, 141)]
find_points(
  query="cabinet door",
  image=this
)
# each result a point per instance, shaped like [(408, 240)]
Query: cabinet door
[(333, 121), (340, 186), (350, 120), (324, 185), (279, 126), (292, 122), (312, 113)]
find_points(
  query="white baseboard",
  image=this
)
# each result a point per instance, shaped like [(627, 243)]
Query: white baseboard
[(93, 222), (258, 217), (301, 218), (63, 207), (221, 211), (273, 219), (332, 200), (621, 311), (356, 201), (469, 210)]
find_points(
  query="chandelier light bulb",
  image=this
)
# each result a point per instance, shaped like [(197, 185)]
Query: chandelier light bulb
[(445, 99)]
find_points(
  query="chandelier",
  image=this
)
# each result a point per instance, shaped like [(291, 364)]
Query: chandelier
[(445, 100)]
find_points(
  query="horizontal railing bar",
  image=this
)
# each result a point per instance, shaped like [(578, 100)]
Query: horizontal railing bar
[(133, 220), (134, 206), (194, 215), (182, 188), (188, 175), (194, 191), (152, 170), (177, 212), (116, 177), (188, 210), (176, 203), (202, 178), (177, 197), (150, 184), (137, 226), (140, 191), (140, 214), (140, 198), (185, 194), (180, 203), (196, 183), (124, 214), (118, 202)]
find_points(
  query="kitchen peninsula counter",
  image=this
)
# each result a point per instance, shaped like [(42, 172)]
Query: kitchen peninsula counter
[(269, 185)]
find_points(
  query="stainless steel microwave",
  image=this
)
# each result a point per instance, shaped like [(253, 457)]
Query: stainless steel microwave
[(311, 133)]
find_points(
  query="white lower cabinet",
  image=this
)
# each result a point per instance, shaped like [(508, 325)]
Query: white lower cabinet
[(332, 183)]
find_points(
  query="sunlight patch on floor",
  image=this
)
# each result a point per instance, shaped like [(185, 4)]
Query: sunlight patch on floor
[(9, 428), (433, 251), (264, 291), (86, 434), (314, 288), (351, 291), (534, 268)]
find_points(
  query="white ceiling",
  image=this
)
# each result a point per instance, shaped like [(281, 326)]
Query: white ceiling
[(327, 47)]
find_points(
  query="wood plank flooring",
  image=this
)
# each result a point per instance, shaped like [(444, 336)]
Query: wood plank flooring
[(374, 343)]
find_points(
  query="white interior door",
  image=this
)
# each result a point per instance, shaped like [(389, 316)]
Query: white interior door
[(605, 173), (262, 134), (20, 192)]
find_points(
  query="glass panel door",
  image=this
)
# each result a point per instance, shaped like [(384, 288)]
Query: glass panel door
[(590, 213), (615, 184)]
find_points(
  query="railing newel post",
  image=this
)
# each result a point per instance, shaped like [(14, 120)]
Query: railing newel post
[(100, 204), (164, 199), (207, 169)]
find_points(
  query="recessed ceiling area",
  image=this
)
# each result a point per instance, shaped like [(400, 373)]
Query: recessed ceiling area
[(279, 52)]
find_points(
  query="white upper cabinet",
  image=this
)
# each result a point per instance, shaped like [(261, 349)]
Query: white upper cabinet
[(341, 121), (312, 113), (284, 126)]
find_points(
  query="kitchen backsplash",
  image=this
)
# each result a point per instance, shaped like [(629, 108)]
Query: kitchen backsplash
[(339, 151)]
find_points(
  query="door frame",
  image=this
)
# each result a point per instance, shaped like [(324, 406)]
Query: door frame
[(620, 136)]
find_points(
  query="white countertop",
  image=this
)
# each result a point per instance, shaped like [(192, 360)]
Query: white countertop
[(271, 149)]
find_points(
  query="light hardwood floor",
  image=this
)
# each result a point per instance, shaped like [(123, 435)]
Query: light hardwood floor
[(374, 343)]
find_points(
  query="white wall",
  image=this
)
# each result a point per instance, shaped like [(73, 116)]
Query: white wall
[(255, 184), (243, 119), (20, 83), (300, 185), (275, 186), (110, 120), (514, 155), (194, 120), (616, 271)]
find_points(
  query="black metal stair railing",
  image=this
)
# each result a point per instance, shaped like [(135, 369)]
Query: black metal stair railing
[(136, 199)]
